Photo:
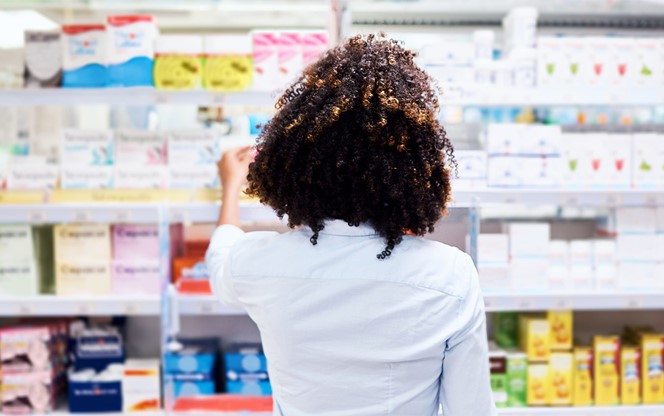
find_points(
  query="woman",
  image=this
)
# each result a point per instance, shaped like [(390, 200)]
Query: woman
[(359, 314)]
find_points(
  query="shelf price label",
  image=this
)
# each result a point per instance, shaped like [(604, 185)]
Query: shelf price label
[(81, 216), (84, 308), (123, 216), (206, 308), (25, 309), (634, 302), (131, 308), (569, 200), (36, 216), (562, 303), (525, 304)]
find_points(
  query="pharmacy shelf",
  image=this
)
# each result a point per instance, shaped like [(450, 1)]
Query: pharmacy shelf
[(55, 213), (205, 305), (50, 305), (559, 197), (514, 301), (485, 96), (655, 410)]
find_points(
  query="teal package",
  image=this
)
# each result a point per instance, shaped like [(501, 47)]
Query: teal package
[(134, 73), (249, 388)]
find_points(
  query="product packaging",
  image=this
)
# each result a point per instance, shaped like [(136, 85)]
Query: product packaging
[(649, 66), (630, 375), (86, 148), (131, 49), (193, 148), (601, 60), (314, 44), (550, 61), (498, 367), (191, 276), (577, 168), (530, 274), (517, 379), (471, 169), (192, 369), (583, 376), (27, 393), (16, 243), (648, 160), (562, 330), (80, 242), (289, 57), (141, 386), (193, 177), (141, 148), (84, 56), (18, 278), (25, 173), (135, 277), (246, 370), (558, 270), (534, 337), (607, 370), (561, 373), (86, 177), (25, 349), (506, 329), (529, 239), (178, 64), (11, 68), (605, 264), (228, 62), (135, 241), (652, 356), (82, 277), (91, 391), (266, 60), (539, 381), (43, 59), (139, 177), (581, 264)]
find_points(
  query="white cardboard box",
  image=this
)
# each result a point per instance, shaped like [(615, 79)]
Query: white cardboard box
[(141, 386), (529, 239)]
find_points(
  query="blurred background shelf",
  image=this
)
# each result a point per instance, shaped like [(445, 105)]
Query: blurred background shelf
[(51, 305), (511, 301), (656, 410)]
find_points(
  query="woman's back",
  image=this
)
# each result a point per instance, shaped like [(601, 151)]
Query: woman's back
[(347, 334)]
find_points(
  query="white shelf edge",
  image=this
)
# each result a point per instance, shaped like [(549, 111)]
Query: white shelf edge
[(474, 96), (52, 305), (510, 301)]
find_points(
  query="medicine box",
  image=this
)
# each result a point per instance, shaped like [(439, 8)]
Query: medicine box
[(135, 277), (648, 160), (535, 337), (562, 371), (18, 278), (517, 379), (652, 356), (494, 277), (290, 56), (529, 239), (82, 277), (25, 349), (193, 177), (492, 249), (135, 241), (228, 64), (140, 177), (561, 329), (193, 148), (539, 381), (86, 148), (193, 367), (583, 376), (498, 368), (607, 370), (43, 58), (178, 64), (636, 220), (27, 393), (471, 168), (84, 56), (79, 242), (529, 274), (141, 386), (131, 41), (266, 60), (249, 388), (506, 329), (314, 45), (140, 148), (24, 175), (97, 349), (630, 375), (16, 243), (86, 177), (94, 396)]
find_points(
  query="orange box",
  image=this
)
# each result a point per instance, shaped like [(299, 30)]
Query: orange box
[(190, 275)]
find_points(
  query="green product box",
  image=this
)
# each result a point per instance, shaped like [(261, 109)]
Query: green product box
[(507, 329), (498, 366), (517, 379)]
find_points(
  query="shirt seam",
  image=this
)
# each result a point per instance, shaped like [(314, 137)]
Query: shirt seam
[(261, 276)]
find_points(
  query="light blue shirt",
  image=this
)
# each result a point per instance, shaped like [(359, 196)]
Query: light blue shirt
[(346, 334)]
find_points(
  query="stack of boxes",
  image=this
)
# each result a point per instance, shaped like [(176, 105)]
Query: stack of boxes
[(529, 251), (493, 264), (639, 248), (193, 159), (523, 155), (246, 370), (191, 369), (32, 367), (82, 259), (135, 265), (141, 160)]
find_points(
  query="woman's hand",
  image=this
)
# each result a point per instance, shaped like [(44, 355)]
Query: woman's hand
[(233, 168)]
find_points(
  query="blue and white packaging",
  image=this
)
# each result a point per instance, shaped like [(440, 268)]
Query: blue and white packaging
[(192, 369), (131, 50), (193, 147), (97, 349), (87, 148), (84, 56), (246, 370)]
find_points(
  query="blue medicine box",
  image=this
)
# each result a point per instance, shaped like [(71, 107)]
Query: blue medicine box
[(246, 370), (97, 351), (95, 396), (193, 368)]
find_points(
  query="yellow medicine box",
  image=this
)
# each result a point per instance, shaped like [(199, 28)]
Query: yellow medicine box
[(652, 353), (561, 369), (607, 370), (534, 337), (539, 384), (630, 375), (583, 376), (562, 330)]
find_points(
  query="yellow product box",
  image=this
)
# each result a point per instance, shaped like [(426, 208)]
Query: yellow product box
[(74, 242), (539, 384), (82, 278), (562, 330), (583, 376), (534, 337), (652, 355), (607, 370), (630, 375), (561, 369)]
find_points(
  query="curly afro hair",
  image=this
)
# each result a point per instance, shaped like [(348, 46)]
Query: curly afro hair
[(357, 138)]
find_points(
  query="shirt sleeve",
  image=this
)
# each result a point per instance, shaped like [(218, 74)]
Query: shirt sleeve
[(217, 260), (465, 387)]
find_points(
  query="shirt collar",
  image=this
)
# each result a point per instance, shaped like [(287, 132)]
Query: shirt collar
[(341, 227)]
